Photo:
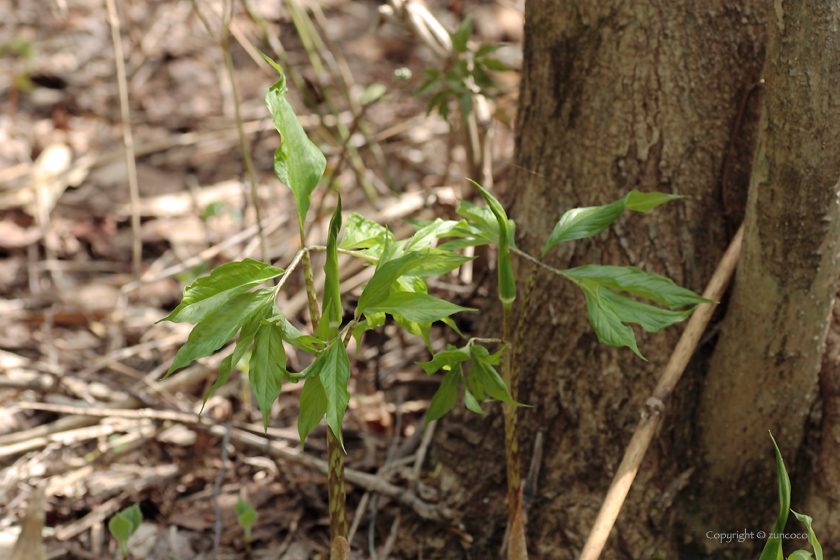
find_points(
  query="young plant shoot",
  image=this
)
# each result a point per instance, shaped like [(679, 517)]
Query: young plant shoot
[(231, 301)]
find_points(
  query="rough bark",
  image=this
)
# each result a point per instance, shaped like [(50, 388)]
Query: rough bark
[(615, 96), (764, 372)]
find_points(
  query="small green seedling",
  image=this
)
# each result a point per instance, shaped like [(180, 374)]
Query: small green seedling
[(124, 524), (246, 515), (773, 548)]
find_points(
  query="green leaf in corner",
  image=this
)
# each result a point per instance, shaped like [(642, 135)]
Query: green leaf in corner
[(331, 317), (335, 375), (267, 367), (773, 547), (631, 279), (298, 163), (207, 294), (580, 223), (812, 538), (605, 320), (220, 326), (313, 406), (419, 308), (445, 396)]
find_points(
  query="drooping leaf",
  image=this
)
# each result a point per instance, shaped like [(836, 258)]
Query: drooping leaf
[(217, 328), (650, 318), (331, 307), (246, 337), (335, 375), (298, 163), (812, 537), (445, 396), (579, 223), (423, 330), (471, 403), (267, 367), (448, 321), (313, 406), (773, 546), (488, 377), (296, 338), (645, 284), (448, 357), (246, 515), (476, 385), (207, 294), (462, 35), (419, 308), (606, 321), (485, 50)]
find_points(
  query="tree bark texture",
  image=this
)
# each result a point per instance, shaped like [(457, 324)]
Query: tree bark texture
[(764, 373), (615, 96)]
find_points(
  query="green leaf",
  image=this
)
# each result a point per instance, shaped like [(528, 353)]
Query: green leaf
[(331, 317), (650, 318), (471, 403), (631, 279), (579, 223), (606, 321), (313, 406), (462, 35), (335, 375), (496, 65), (361, 233), (444, 358), (207, 294), (298, 163), (445, 397), (296, 338), (426, 234), (773, 547), (484, 50), (423, 330), (507, 284), (441, 99), (246, 515), (428, 87), (812, 538), (643, 202), (448, 321), (246, 337), (419, 308), (124, 524), (490, 380), (475, 380), (800, 555), (421, 263), (267, 367), (220, 326), (371, 321)]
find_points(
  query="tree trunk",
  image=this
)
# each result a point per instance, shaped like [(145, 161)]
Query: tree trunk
[(615, 95), (765, 369)]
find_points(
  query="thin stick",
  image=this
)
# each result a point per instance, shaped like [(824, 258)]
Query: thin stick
[(216, 487), (656, 403), (128, 140)]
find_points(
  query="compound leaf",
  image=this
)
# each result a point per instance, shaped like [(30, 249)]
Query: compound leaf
[(605, 320), (419, 308), (650, 318)]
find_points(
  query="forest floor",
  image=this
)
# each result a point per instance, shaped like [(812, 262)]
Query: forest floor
[(84, 409)]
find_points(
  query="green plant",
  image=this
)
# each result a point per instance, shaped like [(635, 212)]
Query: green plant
[(773, 548), (466, 75), (124, 524), (246, 515), (223, 304)]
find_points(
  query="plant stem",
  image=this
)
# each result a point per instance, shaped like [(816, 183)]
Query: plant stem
[(516, 545), (339, 547)]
